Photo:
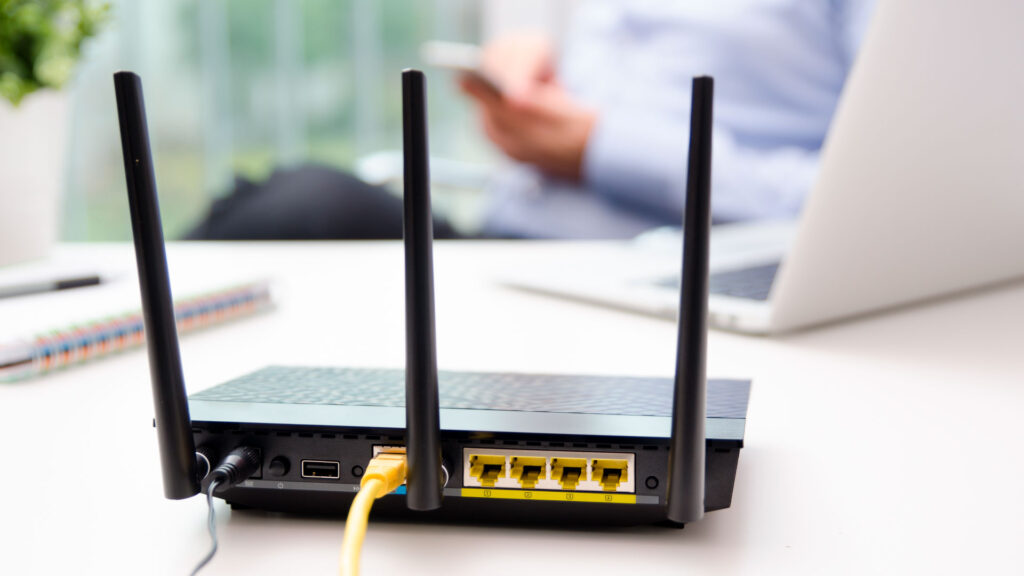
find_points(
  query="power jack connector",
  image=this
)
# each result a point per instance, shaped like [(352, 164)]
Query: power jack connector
[(239, 465)]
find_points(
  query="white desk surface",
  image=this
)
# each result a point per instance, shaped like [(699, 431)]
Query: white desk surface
[(886, 445)]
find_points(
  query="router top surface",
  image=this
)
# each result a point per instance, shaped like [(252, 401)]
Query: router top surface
[(470, 402)]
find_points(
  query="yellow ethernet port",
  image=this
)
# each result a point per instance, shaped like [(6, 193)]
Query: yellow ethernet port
[(568, 471), (486, 469), (528, 470), (610, 473)]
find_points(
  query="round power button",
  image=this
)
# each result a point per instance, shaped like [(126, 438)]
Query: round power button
[(279, 466)]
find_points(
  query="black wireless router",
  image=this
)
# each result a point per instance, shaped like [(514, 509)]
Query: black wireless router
[(482, 447)]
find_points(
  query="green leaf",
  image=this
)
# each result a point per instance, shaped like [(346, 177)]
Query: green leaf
[(41, 40)]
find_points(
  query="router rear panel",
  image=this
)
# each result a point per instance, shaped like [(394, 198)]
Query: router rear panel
[(299, 466), (516, 447)]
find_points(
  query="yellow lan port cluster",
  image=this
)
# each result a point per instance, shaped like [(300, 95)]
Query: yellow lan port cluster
[(548, 470)]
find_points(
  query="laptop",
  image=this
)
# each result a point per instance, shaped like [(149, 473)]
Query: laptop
[(920, 192)]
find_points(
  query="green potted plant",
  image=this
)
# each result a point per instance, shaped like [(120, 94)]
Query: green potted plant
[(40, 42)]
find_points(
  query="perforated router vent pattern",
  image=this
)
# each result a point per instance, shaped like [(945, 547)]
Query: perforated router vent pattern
[(476, 391)]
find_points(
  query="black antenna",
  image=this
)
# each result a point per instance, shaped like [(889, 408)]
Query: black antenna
[(422, 413), (173, 425), (685, 495)]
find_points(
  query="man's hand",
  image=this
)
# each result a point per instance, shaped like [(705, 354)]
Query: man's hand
[(533, 120)]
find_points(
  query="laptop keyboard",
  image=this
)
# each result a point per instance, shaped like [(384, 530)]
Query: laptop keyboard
[(753, 283), (750, 283)]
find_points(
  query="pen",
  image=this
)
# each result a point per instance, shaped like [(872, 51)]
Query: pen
[(41, 286)]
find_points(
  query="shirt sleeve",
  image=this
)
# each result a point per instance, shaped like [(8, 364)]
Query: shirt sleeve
[(641, 163), (633, 161)]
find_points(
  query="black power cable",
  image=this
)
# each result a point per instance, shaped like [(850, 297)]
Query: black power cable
[(237, 466), (211, 525)]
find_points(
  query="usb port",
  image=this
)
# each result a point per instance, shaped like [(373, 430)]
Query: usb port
[(321, 469)]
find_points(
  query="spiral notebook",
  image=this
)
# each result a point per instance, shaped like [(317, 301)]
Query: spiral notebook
[(47, 332)]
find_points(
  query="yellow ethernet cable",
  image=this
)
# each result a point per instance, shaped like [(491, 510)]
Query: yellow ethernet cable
[(384, 474)]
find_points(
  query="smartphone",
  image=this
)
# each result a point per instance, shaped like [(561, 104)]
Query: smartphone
[(459, 57)]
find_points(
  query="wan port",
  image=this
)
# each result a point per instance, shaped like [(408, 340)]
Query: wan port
[(528, 470), (609, 473), (569, 471), (487, 469)]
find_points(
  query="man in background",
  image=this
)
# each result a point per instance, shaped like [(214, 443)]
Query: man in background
[(600, 130)]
